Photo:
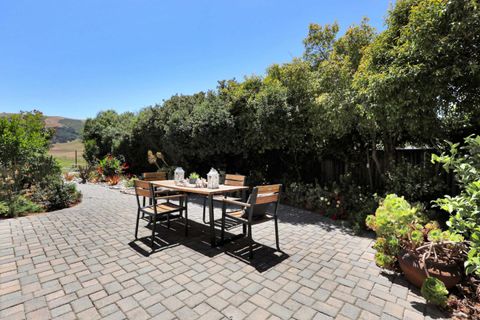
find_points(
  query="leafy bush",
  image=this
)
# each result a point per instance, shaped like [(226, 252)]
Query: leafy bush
[(400, 229), (398, 225), (27, 172), (434, 291), (346, 201), (61, 195), (3, 209), (464, 209), (358, 201), (414, 182), (110, 166), (22, 205)]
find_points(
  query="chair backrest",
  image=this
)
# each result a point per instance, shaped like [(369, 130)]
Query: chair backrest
[(143, 189), (151, 176), (266, 194), (260, 199), (234, 180)]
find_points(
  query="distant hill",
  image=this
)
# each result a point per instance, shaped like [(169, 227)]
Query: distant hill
[(65, 129)]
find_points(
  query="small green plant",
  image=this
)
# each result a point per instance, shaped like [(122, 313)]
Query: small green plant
[(194, 176), (434, 291)]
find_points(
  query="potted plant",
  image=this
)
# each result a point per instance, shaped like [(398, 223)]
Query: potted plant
[(420, 250), (193, 177)]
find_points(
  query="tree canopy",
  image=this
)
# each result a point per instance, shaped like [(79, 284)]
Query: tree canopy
[(349, 95)]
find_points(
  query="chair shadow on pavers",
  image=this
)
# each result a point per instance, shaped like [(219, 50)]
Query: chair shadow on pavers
[(198, 240), (265, 257)]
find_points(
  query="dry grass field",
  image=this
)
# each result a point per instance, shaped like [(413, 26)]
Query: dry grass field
[(65, 153)]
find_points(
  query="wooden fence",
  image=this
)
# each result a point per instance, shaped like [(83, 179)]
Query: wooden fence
[(331, 170)]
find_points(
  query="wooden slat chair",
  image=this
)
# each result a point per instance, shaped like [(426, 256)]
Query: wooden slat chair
[(155, 209), (230, 180), (153, 176), (254, 210)]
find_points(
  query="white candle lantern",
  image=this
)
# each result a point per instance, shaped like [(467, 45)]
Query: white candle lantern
[(213, 179), (179, 175)]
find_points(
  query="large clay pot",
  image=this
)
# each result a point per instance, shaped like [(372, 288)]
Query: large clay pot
[(449, 273)]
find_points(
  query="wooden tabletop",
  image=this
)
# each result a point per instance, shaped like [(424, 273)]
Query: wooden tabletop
[(170, 184)]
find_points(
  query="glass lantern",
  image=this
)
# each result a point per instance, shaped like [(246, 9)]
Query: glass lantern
[(179, 175), (213, 179)]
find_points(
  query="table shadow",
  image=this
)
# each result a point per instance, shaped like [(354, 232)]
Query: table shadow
[(198, 239)]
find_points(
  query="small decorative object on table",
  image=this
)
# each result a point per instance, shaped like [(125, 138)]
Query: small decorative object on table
[(213, 179), (179, 175), (201, 183), (193, 177)]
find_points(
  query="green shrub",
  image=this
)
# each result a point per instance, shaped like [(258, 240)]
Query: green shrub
[(111, 166), (415, 182), (23, 205), (397, 225), (464, 209), (358, 202), (345, 201), (434, 291), (4, 211), (59, 195), (27, 169)]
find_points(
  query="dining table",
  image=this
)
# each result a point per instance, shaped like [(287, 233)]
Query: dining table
[(206, 192)]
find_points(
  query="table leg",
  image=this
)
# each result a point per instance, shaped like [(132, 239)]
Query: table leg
[(212, 221)]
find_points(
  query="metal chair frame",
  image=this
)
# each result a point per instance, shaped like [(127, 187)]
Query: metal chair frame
[(147, 190), (260, 195)]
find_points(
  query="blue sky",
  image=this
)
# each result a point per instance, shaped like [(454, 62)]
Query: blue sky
[(74, 58)]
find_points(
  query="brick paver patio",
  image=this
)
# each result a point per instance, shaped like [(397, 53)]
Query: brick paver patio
[(80, 263)]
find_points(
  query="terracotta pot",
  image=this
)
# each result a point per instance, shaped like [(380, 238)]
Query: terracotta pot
[(450, 274)]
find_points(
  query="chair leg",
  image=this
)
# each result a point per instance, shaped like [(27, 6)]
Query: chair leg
[(153, 232), (276, 233), (244, 225), (186, 221), (223, 226), (204, 209), (168, 220), (149, 221), (251, 240), (136, 227)]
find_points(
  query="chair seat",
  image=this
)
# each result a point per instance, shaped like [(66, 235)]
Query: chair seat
[(162, 208), (240, 215), (165, 191), (221, 198)]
